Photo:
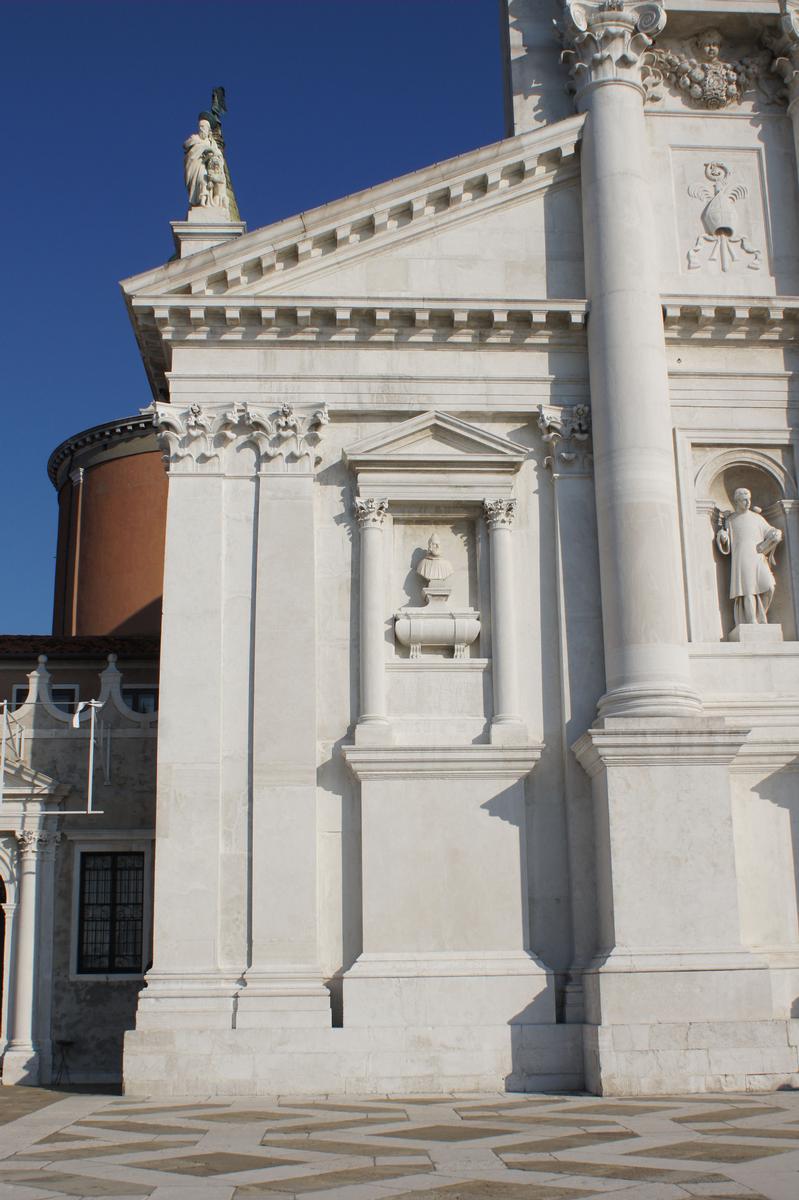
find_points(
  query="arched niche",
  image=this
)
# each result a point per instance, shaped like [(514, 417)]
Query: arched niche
[(774, 493)]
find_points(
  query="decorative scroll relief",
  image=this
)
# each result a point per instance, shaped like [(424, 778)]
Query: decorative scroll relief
[(567, 431), (750, 542), (436, 624), (719, 243), (197, 441), (606, 40), (697, 71)]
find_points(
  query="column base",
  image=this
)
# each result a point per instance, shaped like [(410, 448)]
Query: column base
[(283, 999), (509, 733), (21, 1065), (448, 989), (373, 733), (650, 701), (188, 1000)]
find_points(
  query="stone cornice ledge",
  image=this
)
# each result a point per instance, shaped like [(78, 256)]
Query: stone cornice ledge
[(731, 318), (637, 743), (434, 762)]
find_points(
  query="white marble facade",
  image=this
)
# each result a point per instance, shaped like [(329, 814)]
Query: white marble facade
[(529, 819)]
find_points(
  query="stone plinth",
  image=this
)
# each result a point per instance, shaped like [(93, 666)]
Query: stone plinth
[(756, 635)]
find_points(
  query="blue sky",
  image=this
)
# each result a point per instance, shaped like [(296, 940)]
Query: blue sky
[(325, 97)]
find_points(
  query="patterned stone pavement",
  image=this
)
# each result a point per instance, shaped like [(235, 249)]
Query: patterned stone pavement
[(503, 1147)]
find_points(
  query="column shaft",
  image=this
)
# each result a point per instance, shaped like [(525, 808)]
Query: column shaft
[(506, 723), (21, 1059), (646, 657), (371, 514)]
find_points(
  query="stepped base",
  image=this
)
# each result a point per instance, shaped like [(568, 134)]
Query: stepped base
[(264, 1062)]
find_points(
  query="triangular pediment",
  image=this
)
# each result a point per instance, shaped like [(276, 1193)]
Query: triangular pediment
[(280, 258), (438, 440)]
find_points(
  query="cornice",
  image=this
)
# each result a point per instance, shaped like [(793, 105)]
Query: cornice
[(163, 321), (110, 431), (731, 318), (403, 762)]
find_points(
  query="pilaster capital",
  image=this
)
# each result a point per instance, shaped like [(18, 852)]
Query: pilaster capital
[(499, 514), (370, 512), (785, 48), (567, 431), (198, 441), (605, 40), (33, 843)]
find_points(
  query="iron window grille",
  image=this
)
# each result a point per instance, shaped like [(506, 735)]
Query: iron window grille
[(111, 913)]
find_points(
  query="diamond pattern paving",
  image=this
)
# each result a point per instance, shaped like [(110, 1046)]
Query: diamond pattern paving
[(412, 1148)]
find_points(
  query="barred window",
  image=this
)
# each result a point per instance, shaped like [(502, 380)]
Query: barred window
[(111, 913)]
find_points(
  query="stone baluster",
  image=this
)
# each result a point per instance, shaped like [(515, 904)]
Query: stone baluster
[(506, 725), (21, 1060), (372, 721), (643, 606)]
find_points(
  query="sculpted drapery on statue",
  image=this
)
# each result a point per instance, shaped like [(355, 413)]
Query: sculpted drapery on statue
[(205, 168), (433, 566), (750, 541), (202, 158)]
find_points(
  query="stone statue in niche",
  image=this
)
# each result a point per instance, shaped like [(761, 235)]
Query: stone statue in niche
[(436, 624), (203, 168), (750, 541)]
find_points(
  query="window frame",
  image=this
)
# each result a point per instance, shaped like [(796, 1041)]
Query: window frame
[(19, 694), (140, 687), (142, 844)]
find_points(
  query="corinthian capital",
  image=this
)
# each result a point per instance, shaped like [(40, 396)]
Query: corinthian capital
[(605, 40), (785, 49), (370, 513)]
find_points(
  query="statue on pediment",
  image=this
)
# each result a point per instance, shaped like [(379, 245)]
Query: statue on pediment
[(198, 151)]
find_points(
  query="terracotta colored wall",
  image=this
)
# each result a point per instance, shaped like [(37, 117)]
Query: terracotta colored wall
[(110, 558)]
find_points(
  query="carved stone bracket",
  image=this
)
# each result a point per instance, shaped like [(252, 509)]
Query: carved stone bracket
[(568, 433), (370, 513), (499, 514), (196, 441), (606, 40)]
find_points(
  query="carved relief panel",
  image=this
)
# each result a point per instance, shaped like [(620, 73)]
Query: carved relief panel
[(722, 232)]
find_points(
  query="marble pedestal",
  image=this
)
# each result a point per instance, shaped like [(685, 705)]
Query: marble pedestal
[(674, 1001), (440, 829)]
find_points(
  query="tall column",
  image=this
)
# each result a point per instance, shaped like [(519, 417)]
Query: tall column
[(373, 726), (506, 724), (21, 1063), (646, 657)]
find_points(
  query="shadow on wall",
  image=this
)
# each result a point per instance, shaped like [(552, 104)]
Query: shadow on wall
[(781, 788), (535, 1036), (146, 621)]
